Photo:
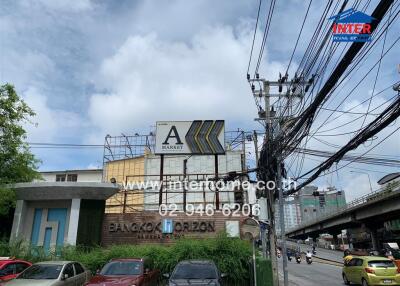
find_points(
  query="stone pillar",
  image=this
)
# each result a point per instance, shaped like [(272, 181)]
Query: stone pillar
[(18, 224), (73, 221)]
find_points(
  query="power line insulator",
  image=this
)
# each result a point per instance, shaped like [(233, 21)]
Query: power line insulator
[(248, 76), (253, 87), (257, 75)]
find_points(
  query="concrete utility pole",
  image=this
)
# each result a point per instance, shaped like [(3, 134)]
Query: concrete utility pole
[(255, 140), (269, 204)]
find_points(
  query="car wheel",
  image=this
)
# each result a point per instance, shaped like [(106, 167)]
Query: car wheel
[(364, 282), (345, 280)]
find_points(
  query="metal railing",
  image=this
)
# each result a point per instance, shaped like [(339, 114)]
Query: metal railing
[(330, 213)]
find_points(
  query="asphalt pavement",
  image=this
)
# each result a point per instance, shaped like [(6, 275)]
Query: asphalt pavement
[(323, 253), (315, 274)]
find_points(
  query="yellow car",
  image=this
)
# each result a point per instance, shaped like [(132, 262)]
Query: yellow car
[(371, 270)]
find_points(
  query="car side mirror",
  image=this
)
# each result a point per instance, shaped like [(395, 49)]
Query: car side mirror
[(166, 275), (64, 277), (223, 275)]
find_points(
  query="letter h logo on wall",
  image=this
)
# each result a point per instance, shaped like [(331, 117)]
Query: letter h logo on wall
[(167, 226), (48, 227)]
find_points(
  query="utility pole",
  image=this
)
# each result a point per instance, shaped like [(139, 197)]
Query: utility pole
[(282, 222), (272, 123), (255, 140)]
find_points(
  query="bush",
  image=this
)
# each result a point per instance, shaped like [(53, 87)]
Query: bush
[(231, 255)]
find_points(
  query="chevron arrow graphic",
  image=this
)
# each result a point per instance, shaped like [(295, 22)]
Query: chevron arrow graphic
[(213, 137), (191, 136), (202, 137)]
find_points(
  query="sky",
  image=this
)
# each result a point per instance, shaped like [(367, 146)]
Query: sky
[(90, 68)]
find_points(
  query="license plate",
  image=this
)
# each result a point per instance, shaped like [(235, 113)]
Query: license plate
[(387, 281)]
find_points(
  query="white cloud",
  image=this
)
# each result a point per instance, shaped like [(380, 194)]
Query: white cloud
[(49, 124), (150, 79), (62, 5)]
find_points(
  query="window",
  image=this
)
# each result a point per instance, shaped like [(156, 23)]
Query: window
[(21, 267), (78, 268), (122, 268), (381, 263), (72, 177), (69, 270), (193, 270), (9, 269), (60, 178), (41, 271), (359, 262), (352, 262)]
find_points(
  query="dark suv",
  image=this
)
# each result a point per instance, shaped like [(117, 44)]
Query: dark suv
[(195, 272)]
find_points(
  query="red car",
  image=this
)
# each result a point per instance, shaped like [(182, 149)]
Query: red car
[(10, 268), (127, 272)]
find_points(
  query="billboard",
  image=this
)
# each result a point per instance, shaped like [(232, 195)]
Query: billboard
[(200, 137)]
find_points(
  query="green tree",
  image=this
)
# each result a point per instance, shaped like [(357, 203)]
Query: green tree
[(17, 163)]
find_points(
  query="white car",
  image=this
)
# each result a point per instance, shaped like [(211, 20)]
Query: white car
[(53, 273)]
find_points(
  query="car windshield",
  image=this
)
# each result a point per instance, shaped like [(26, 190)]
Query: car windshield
[(194, 271), (122, 268), (41, 271), (380, 263)]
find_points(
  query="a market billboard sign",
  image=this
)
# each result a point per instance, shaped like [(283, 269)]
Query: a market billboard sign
[(200, 137)]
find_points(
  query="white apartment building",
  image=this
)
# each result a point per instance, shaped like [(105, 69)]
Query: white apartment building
[(86, 175)]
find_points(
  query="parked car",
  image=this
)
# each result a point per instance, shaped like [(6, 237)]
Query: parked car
[(195, 272), (10, 268), (52, 273), (127, 272), (371, 270)]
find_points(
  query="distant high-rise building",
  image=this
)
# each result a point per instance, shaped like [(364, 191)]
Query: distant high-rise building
[(292, 214), (314, 203)]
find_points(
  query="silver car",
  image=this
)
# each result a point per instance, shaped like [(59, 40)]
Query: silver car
[(53, 273)]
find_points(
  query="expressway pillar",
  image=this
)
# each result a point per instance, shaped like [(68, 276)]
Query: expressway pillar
[(374, 239), (335, 240)]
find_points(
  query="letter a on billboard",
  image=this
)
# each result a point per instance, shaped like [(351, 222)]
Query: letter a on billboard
[(200, 137)]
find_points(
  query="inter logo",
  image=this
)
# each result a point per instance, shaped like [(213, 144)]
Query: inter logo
[(351, 26)]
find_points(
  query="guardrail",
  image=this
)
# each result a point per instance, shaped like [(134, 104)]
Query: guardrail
[(376, 195)]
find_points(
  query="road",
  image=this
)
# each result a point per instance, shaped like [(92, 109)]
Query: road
[(323, 253), (315, 274)]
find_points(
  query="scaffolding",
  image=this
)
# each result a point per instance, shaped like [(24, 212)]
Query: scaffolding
[(124, 158)]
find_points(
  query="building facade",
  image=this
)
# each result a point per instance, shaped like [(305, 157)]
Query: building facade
[(84, 175), (314, 203), (292, 214)]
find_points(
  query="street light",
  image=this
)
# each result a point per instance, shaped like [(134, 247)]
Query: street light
[(369, 178)]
